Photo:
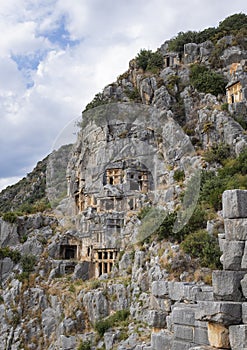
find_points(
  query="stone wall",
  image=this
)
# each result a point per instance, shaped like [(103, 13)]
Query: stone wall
[(204, 317)]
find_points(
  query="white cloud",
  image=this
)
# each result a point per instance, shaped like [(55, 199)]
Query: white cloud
[(40, 98)]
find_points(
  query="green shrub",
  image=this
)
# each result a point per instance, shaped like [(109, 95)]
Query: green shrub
[(207, 81), (14, 255), (143, 212), (232, 175), (98, 100), (217, 153), (148, 60), (203, 246), (10, 217), (112, 321), (28, 262), (179, 175), (85, 345), (156, 61), (197, 220), (224, 107), (233, 23), (133, 94)]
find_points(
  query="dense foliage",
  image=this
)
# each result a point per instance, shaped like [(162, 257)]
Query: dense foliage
[(114, 320), (148, 60), (201, 245), (27, 193), (207, 81), (231, 25), (14, 255), (231, 176)]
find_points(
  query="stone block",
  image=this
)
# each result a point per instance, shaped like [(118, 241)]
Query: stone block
[(221, 240), (179, 291), (205, 294), (238, 337), (181, 345), (161, 340), (224, 312), (184, 314), (160, 289), (226, 285), (244, 258), (218, 335), (232, 255), (244, 312), (184, 332), (236, 229), (157, 319), (203, 347), (160, 304), (234, 204), (201, 336), (244, 285)]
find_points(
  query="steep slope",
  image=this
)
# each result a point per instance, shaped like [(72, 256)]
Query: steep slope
[(77, 277)]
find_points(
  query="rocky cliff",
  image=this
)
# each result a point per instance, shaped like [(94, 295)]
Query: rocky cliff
[(124, 258)]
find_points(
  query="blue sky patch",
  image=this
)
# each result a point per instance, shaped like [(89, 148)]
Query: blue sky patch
[(60, 35)]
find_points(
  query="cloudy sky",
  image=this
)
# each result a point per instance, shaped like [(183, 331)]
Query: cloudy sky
[(55, 55)]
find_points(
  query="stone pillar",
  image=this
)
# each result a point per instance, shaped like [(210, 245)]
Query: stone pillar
[(230, 284)]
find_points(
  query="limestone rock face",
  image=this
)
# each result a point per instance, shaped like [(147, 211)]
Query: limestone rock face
[(96, 255), (8, 234)]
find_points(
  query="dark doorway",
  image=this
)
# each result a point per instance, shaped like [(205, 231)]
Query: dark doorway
[(68, 252)]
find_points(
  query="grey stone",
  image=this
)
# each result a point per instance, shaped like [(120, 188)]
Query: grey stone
[(8, 234), (67, 343), (203, 347), (232, 255), (205, 293), (160, 289), (201, 336), (184, 314), (244, 312), (221, 240), (6, 267), (226, 285), (244, 285), (32, 246), (96, 305), (161, 340), (179, 291), (244, 258), (238, 337), (236, 229), (185, 333), (191, 52), (157, 319), (181, 345), (234, 204), (81, 271), (110, 338), (224, 312), (49, 321)]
